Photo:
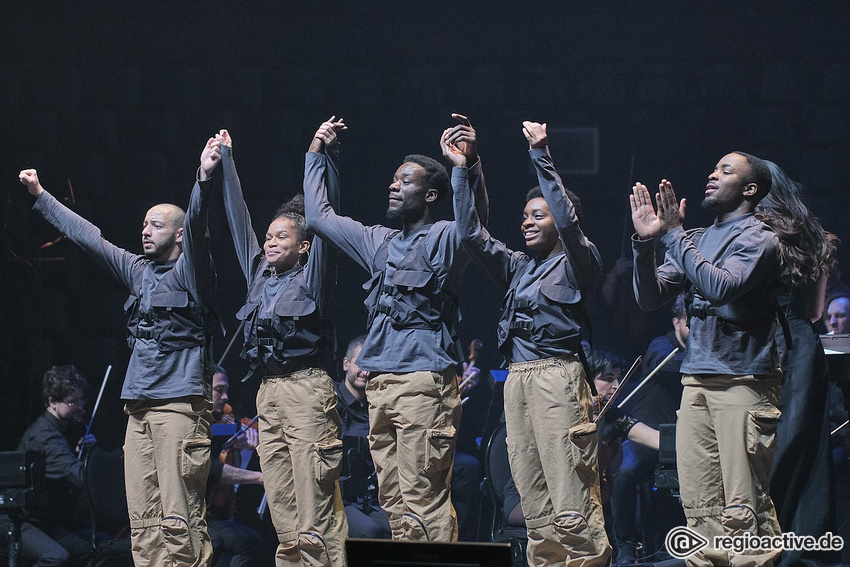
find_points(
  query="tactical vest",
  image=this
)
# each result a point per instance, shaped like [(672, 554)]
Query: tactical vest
[(554, 314), (295, 330), (174, 320), (416, 298)]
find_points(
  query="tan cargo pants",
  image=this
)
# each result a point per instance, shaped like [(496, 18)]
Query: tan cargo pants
[(166, 465), (552, 448), (301, 455), (725, 439), (413, 420)]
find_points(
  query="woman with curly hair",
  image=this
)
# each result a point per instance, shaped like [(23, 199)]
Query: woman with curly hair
[(290, 279), (801, 483)]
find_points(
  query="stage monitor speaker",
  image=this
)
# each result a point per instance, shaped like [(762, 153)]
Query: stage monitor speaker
[(384, 552)]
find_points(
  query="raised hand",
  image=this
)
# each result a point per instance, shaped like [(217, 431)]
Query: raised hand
[(327, 134), (29, 179), (460, 144), (223, 136), (210, 158), (535, 133), (646, 222), (671, 213)]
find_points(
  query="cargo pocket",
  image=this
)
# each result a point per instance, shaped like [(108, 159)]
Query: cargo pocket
[(583, 445), (328, 460), (439, 449), (195, 457), (761, 431), (574, 532), (178, 540)]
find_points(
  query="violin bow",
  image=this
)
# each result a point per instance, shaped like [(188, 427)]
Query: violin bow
[(611, 399), (94, 411), (242, 429), (474, 347), (650, 375), (230, 344)]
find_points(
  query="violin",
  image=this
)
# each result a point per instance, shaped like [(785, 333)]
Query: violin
[(608, 452), (221, 502), (471, 379)]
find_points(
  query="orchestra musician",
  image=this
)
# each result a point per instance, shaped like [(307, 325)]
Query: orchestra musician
[(229, 537), (53, 536)]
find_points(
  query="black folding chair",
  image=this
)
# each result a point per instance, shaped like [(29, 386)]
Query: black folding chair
[(498, 473)]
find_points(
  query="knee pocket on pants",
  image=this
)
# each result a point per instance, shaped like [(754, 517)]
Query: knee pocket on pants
[(761, 431), (738, 519), (178, 540), (574, 531), (312, 544), (328, 460), (413, 528), (583, 446), (195, 457), (439, 449)]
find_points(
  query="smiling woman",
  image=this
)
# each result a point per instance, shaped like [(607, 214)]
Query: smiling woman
[(549, 425), (288, 237), (285, 341)]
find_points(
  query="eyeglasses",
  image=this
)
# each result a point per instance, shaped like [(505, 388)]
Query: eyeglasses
[(74, 403)]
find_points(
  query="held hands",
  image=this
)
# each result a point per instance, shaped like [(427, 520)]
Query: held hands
[(210, 158), (648, 223), (459, 144), (29, 179), (535, 133), (223, 136), (326, 135)]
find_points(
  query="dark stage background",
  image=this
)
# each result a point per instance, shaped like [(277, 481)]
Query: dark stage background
[(118, 98)]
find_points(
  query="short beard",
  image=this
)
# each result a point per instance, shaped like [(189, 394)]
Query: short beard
[(405, 211), (158, 252), (153, 254)]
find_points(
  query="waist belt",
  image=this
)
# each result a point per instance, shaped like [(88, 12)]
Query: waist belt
[(702, 312)]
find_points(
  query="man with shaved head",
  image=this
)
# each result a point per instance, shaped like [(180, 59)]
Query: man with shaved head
[(167, 388)]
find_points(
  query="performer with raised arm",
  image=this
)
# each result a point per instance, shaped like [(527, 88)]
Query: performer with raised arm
[(289, 281), (552, 441), (726, 431), (411, 348), (167, 386)]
